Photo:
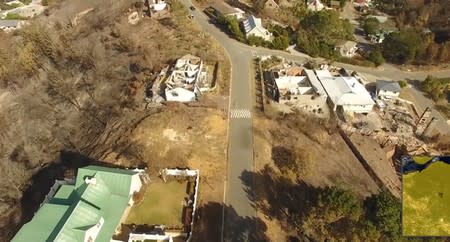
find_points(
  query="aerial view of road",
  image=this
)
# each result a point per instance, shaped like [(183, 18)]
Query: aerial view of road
[(240, 143)]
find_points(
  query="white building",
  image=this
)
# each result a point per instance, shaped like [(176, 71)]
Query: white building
[(345, 93), (157, 5), (315, 5), (387, 89), (228, 11), (187, 80), (253, 26)]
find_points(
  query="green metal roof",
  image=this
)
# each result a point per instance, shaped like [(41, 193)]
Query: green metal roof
[(75, 209), (64, 192), (43, 223)]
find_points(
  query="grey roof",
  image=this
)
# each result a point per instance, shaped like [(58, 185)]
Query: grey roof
[(392, 86), (318, 88), (9, 22), (224, 8)]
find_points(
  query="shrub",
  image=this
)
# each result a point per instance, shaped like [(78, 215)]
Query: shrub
[(371, 25), (280, 42), (256, 41), (376, 57), (402, 84)]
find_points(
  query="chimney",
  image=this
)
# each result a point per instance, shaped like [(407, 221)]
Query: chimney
[(90, 180)]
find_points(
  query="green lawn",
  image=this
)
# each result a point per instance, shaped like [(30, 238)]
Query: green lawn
[(162, 204), (426, 201)]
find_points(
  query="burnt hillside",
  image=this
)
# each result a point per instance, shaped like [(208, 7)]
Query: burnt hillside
[(74, 92)]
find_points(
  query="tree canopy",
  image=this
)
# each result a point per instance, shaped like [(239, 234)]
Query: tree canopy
[(401, 47), (320, 31), (371, 25)]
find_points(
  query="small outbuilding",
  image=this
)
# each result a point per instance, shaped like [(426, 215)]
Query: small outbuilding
[(226, 10), (387, 89)]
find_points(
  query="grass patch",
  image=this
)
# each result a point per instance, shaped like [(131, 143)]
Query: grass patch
[(162, 204), (425, 201), (26, 2), (14, 16)]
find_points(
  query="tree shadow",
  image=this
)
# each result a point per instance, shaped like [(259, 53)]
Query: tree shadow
[(208, 225), (414, 83), (278, 197)]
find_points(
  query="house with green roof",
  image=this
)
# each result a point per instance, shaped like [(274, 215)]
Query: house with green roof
[(89, 210)]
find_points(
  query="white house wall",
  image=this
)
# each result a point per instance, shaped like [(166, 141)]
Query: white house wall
[(358, 108), (385, 93)]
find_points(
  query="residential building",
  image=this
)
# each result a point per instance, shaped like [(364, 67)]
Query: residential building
[(157, 5), (387, 89), (296, 87), (90, 209), (253, 26), (226, 10), (347, 48), (345, 93), (187, 80), (314, 5)]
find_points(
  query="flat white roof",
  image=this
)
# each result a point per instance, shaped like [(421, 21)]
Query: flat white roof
[(288, 82), (344, 90)]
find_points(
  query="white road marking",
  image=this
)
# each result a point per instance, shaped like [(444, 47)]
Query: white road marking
[(240, 113)]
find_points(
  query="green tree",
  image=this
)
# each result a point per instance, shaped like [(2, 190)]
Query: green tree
[(327, 26), (387, 214), (280, 42), (401, 47), (435, 87), (254, 40), (376, 57), (338, 203), (234, 28), (371, 25)]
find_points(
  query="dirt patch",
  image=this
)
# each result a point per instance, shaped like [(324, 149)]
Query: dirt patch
[(377, 159), (334, 163), (193, 137)]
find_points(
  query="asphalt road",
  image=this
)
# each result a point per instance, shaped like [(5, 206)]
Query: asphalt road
[(240, 134)]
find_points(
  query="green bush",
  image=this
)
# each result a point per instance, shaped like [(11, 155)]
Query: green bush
[(280, 43), (376, 57), (253, 40), (371, 25), (402, 84), (14, 16), (436, 87), (44, 2)]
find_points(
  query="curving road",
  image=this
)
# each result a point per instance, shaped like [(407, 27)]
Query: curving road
[(240, 134)]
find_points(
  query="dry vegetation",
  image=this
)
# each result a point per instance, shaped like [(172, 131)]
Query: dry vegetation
[(300, 149), (74, 94)]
